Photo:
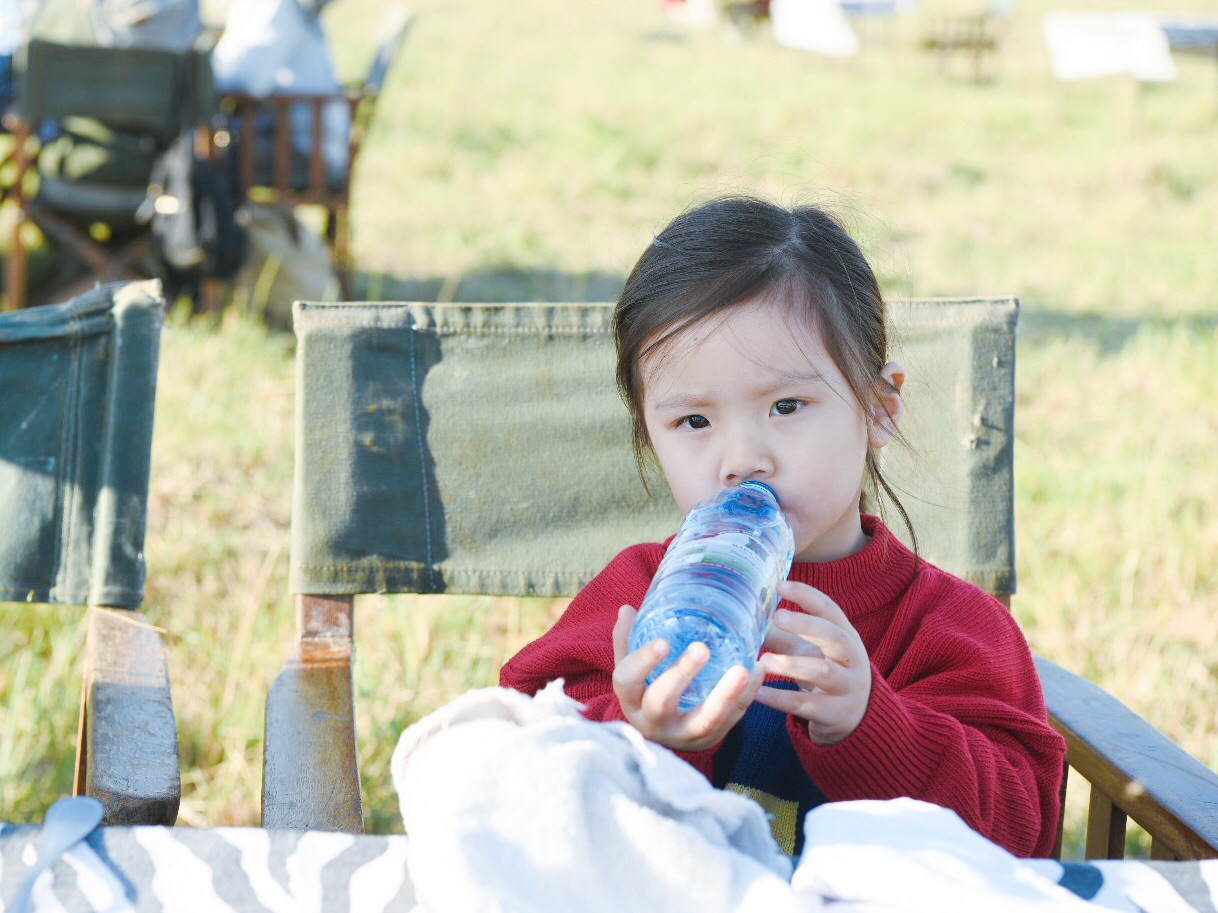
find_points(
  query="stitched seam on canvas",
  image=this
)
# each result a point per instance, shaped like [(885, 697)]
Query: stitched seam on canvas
[(419, 565), (415, 397), (66, 495), (480, 331)]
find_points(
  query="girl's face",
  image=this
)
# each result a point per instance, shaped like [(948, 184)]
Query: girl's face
[(754, 394)]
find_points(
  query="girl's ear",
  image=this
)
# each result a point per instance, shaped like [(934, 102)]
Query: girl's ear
[(886, 411)]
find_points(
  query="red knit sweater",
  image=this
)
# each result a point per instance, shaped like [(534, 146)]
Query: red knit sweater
[(956, 714)]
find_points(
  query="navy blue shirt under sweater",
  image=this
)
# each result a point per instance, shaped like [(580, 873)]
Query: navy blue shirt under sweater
[(758, 761)]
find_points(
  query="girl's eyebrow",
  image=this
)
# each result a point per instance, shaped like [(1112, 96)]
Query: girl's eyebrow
[(681, 402), (807, 376), (779, 379)]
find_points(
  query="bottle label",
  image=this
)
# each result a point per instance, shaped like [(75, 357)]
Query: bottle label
[(729, 550)]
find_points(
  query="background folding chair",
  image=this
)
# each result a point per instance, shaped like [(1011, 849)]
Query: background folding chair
[(977, 35), (258, 138), (79, 385), (116, 111), (437, 452)]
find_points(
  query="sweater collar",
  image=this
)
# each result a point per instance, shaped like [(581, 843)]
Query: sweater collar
[(871, 578)]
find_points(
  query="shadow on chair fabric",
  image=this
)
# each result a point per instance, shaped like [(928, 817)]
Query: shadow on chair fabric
[(79, 382)]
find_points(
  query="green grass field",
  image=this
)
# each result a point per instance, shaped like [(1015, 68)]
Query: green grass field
[(528, 150)]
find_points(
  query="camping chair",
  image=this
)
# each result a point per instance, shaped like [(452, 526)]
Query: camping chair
[(117, 109), (256, 137), (78, 382), (437, 452)]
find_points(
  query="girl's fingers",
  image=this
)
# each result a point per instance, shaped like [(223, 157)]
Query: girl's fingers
[(814, 602), (630, 674), (810, 672), (780, 641), (722, 705), (660, 700), (621, 632), (784, 701), (732, 694), (840, 644)]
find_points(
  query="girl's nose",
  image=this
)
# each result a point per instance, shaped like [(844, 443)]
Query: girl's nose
[(746, 456)]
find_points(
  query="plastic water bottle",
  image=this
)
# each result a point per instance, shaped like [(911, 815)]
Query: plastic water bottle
[(718, 584)]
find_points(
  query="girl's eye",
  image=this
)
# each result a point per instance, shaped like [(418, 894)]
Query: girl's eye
[(694, 421), (787, 406)]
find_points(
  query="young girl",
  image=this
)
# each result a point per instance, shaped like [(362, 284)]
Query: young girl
[(751, 345)]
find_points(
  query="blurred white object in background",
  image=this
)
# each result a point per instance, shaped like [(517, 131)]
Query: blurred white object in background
[(699, 14), (15, 19), (169, 24), (1090, 45), (277, 47), (813, 25)]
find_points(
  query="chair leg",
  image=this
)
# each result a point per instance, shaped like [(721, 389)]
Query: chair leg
[(128, 759), (63, 232), (310, 773), (16, 269), (17, 278), (338, 239), (101, 264), (81, 785)]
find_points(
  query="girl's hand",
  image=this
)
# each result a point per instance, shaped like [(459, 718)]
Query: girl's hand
[(653, 711), (825, 657)]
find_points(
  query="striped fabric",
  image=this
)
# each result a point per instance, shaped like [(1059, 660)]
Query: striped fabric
[(249, 870), (243, 870)]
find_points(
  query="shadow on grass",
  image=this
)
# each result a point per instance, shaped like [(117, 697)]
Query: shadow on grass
[(490, 284), (1110, 335)]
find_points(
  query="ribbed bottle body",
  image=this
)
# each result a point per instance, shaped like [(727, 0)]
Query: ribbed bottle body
[(718, 584)]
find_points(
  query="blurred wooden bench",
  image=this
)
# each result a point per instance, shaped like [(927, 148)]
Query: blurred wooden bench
[(977, 36)]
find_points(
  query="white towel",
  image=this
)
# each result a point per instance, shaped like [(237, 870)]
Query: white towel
[(513, 803), (912, 856)]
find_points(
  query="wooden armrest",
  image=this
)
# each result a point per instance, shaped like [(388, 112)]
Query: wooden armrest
[(310, 774), (128, 754), (1171, 794)]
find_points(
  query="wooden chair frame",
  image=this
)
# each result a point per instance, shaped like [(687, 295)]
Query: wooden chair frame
[(127, 750), (1134, 771), (310, 773)]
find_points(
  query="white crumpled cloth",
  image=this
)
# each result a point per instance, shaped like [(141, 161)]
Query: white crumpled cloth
[(518, 803)]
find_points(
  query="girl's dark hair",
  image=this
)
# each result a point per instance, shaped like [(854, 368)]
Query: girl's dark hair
[(732, 250)]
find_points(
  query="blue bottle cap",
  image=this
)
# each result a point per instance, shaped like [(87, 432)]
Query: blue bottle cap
[(755, 484)]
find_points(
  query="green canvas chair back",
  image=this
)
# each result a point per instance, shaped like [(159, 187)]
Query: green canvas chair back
[(117, 110), (484, 449), (145, 91), (77, 394)]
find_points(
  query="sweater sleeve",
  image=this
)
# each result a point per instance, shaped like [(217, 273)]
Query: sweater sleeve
[(958, 720), (579, 647)]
